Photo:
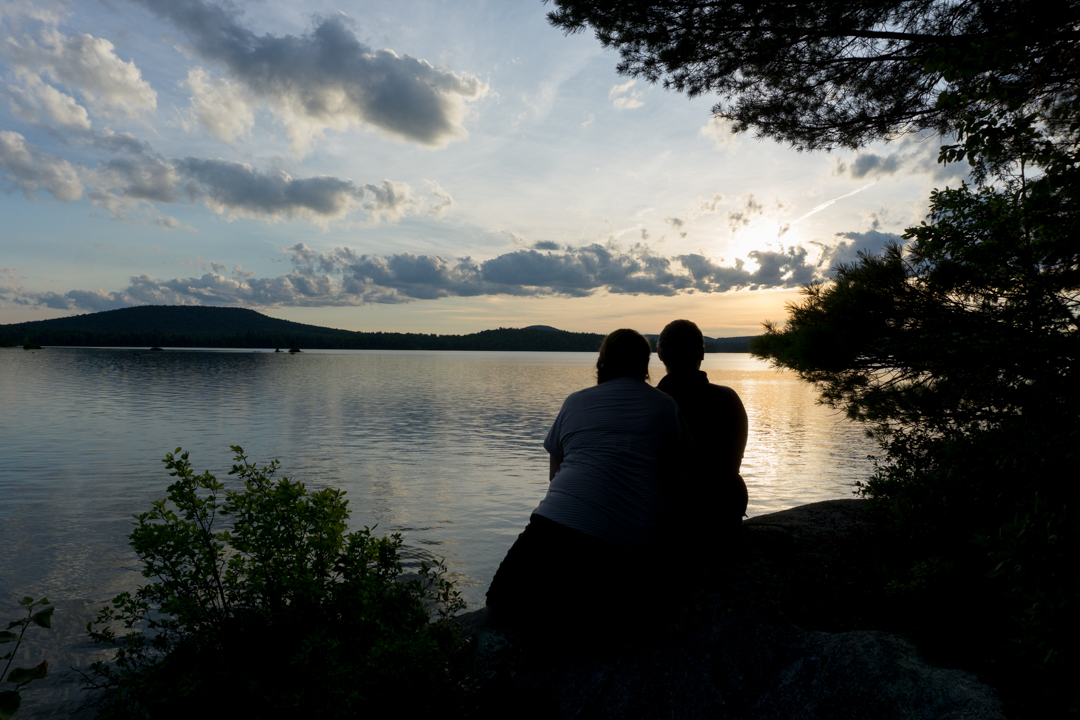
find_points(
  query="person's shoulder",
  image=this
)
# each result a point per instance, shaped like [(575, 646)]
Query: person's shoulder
[(719, 389), (579, 396), (720, 396), (658, 397)]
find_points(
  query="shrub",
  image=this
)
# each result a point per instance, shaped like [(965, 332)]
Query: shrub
[(10, 700), (260, 598)]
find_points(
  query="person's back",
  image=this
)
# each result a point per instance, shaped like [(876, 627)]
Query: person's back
[(713, 494), (614, 449)]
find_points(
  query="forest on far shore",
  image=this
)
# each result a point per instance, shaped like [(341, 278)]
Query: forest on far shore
[(216, 327)]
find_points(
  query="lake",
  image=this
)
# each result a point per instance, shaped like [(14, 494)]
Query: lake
[(442, 447)]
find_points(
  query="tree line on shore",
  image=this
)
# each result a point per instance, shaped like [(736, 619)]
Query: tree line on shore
[(210, 327)]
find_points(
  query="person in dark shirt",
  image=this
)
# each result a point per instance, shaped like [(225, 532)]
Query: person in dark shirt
[(712, 496)]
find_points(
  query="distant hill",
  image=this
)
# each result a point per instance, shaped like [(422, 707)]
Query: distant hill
[(197, 326)]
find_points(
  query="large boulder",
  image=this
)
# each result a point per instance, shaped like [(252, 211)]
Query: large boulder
[(774, 624)]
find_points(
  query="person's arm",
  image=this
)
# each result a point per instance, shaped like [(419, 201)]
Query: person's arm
[(554, 464)]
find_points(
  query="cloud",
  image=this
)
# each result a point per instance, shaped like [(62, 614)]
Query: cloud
[(28, 170), (124, 184), (918, 156), (719, 130), (241, 190), (39, 102), (776, 269), (342, 277), (84, 64), (391, 200), (219, 105), (851, 243), (741, 218), (710, 205), (678, 224), (328, 79), (45, 11), (623, 97), (443, 201), (132, 183)]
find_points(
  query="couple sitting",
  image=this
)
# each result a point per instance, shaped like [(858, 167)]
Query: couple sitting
[(637, 473)]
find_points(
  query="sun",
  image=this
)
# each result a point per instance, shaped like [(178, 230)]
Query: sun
[(760, 234)]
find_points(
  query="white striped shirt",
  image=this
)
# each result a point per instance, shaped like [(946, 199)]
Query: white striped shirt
[(620, 443)]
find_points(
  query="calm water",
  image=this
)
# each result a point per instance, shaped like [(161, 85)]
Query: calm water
[(443, 447)]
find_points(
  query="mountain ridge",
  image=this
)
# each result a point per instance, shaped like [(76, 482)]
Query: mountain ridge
[(205, 326)]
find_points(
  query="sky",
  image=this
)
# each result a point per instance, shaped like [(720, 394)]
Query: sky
[(438, 167)]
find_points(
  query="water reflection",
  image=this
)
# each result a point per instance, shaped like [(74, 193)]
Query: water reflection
[(442, 447), (445, 448)]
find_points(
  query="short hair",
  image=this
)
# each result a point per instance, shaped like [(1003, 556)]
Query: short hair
[(624, 353), (680, 345)]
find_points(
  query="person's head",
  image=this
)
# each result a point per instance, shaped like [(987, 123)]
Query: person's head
[(624, 353), (681, 346)]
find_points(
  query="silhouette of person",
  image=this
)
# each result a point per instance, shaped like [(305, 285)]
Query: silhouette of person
[(614, 451), (713, 495)]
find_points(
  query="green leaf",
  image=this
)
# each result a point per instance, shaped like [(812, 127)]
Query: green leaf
[(20, 676), (7, 636), (9, 703), (43, 618)]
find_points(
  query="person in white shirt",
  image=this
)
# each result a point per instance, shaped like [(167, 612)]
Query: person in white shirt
[(615, 451)]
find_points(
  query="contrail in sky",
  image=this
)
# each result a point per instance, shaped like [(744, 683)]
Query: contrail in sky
[(827, 203)]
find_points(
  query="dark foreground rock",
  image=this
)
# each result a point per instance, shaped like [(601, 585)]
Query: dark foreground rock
[(780, 629)]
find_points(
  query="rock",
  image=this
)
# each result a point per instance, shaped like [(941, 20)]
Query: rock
[(775, 628)]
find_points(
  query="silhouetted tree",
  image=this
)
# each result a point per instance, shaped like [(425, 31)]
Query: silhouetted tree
[(828, 73), (960, 349)]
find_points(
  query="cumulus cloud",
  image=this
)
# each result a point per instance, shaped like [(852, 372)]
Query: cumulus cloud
[(328, 79), (719, 130), (624, 97), (39, 102), (219, 105), (82, 63), (28, 170), (342, 277)]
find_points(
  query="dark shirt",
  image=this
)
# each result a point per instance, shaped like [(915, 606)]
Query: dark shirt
[(717, 421)]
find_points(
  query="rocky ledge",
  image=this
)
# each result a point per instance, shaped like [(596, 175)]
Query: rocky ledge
[(780, 628)]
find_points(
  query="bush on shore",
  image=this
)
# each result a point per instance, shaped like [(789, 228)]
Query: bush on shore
[(259, 599)]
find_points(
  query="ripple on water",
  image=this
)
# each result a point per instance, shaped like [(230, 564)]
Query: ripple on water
[(445, 448)]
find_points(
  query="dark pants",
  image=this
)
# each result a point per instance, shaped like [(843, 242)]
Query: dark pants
[(557, 583)]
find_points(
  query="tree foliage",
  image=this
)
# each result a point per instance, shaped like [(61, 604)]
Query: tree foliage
[(260, 599), (830, 73), (960, 349)]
